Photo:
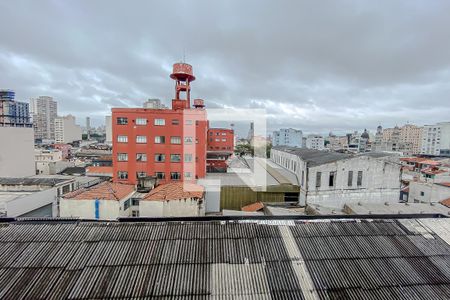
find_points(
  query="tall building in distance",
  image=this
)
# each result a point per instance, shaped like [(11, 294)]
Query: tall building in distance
[(314, 141), (436, 139), (44, 111), (13, 113), (66, 130), (16, 137), (288, 137), (406, 139), (169, 144), (88, 127), (154, 104)]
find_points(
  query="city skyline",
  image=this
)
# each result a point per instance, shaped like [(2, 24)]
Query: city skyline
[(362, 67)]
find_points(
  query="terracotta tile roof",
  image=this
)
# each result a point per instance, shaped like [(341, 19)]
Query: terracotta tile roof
[(432, 171), (175, 191), (99, 170), (447, 184), (102, 191), (253, 207), (420, 160), (446, 202)]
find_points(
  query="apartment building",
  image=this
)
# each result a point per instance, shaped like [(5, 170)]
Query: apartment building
[(316, 142), (333, 179), (66, 130), (44, 111), (287, 137), (436, 139), (220, 146), (406, 139), (167, 143)]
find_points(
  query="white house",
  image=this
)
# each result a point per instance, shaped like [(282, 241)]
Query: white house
[(334, 179), (106, 201), (175, 199)]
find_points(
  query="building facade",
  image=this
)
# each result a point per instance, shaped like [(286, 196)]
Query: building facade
[(13, 113), (406, 139), (44, 111), (287, 137), (334, 179), (167, 143), (436, 139), (316, 142), (66, 130), (220, 146)]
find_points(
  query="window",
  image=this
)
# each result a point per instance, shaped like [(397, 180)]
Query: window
[(141, 139), (217, 140), (332, 179), (359, 180), (175, 122), (303, 177), (141, 157), (187, 175), (224, 133), (160, 122), (211, 133), (160, 139), (126, 204), (159, 157), (187, 157), (160, 175), (141, 174), (188, 122), (175, 175), (141, 121), (135, 213), (318, 178), (122, 175), (175, 157), (224, 140), (122, 121), (350, 178), (134, 201), (122, 139), (122, 156), (188, 140), (422, 193), (175, 140)]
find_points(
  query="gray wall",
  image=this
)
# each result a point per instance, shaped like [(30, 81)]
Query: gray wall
[(16, 152)]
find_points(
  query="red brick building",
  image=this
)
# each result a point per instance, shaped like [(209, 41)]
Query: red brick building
[(220, 148), (167, 143)]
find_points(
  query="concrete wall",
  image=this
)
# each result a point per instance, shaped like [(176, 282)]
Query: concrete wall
[(427, 192), (16, 152), (26, 204), (109, 209), (173, 208)]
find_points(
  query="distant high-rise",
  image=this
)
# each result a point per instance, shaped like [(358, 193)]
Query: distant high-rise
[(436, 139), (88, 127), (13, 113), (66, 130), (44, 111), (154, 104), (288, 137)]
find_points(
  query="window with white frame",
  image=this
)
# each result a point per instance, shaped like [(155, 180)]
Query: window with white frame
[(122, 139), (175, 140), (141, 121), (160, 122), (141, 174), (160, 139), (175, 157), (187, 175), (224, 140), (188, 140), (122, 156), (141, 157), (122, 175), (141, 139), (188, 157), (160, 175), (160, 157), (175, 175), (122, 121), (188, 122)]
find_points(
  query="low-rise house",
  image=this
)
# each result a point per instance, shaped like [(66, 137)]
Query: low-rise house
[(334, 179), (175, 199), (104, 171), (428, 192), (104, 201)]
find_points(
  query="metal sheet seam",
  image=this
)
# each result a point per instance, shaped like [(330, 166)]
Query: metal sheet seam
[(298, 264)]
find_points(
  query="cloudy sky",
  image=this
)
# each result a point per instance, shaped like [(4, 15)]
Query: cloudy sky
[(314, 65)]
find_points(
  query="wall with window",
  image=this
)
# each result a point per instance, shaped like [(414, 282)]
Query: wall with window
[(427, 192)]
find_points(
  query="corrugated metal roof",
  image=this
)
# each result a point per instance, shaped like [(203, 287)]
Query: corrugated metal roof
[(326, 259)]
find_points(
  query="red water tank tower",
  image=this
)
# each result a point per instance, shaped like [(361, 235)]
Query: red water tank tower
[(183, 75)]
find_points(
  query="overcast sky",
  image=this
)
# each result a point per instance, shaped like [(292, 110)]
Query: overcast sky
[(314, 65)]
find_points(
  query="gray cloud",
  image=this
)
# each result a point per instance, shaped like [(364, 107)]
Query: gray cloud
[(333, 65)]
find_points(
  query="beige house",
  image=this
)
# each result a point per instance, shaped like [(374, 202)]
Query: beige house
[(174, 200)]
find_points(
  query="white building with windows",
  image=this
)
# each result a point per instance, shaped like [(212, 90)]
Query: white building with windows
[(66, 130), (436, 139), (316, 142), (287, 137), (334, 179)]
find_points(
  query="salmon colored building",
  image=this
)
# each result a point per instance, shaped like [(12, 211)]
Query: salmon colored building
[(220, 147), (167, 143)]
